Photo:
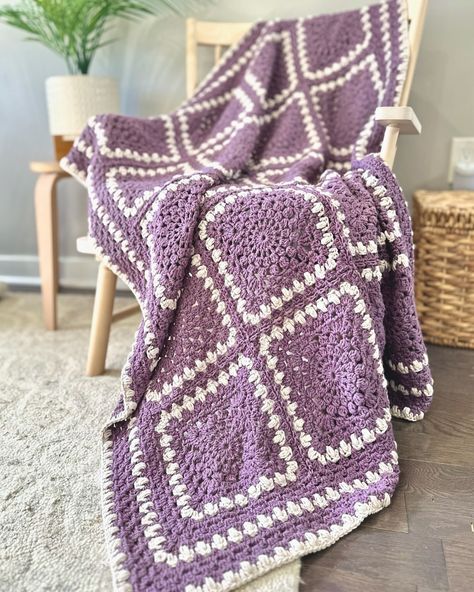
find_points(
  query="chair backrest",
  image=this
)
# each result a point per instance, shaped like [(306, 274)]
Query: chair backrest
[(416, 21), (219, 35)]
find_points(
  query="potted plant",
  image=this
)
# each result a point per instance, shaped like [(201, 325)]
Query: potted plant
[(76, 29)]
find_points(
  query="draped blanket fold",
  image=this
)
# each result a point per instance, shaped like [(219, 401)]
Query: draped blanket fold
[(273, 262)]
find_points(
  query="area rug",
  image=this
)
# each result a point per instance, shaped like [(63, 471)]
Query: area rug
[(51, 414), (51, 536), (273, 263)]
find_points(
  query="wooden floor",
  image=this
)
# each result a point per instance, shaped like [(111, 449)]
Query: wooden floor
[(424, 542)]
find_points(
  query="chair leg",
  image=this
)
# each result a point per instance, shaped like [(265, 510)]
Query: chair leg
[(101, 321), (47, 239)]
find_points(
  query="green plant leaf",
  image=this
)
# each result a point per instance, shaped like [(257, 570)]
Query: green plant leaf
[(74, 29)]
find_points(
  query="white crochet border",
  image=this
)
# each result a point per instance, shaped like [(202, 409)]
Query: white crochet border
[(295, 549)]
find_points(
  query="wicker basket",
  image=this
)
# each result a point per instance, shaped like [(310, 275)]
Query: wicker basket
[(443, 227)]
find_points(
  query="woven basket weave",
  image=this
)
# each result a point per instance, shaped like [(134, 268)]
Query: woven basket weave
[(443, 227)]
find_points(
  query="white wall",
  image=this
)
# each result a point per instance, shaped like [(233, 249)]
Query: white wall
[(149, 61)]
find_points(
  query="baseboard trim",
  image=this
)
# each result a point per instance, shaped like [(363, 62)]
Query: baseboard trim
[(74, 271)]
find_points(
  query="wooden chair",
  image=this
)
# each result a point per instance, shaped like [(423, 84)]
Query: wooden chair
[(397, 119)]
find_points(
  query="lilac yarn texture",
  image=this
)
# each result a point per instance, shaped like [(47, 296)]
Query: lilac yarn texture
[(271, 254)]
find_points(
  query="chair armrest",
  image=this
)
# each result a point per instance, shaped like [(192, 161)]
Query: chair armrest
[(397, 120), (403, 118)]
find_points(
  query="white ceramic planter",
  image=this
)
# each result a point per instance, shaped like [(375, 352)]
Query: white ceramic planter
[(73, 99)]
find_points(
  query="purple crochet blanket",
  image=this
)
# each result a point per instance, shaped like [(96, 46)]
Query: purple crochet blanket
[(279, 330)]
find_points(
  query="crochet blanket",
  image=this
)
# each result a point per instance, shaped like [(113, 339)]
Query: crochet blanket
[(279, 330)]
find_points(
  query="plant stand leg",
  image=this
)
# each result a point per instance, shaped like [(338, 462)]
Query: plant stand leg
[(101, 321)]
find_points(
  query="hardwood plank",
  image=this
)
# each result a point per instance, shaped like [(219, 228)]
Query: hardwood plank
[(449, 425), (452, 358), (393, 518), (428, 446), (460, 564), (441, 480), (334, 580), (406, 559), (439, 499)]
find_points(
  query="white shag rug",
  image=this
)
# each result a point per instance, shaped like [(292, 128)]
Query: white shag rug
[(50, 421)]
